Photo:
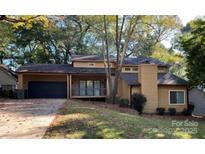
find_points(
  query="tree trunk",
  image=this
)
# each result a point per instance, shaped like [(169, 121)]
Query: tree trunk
[(117, 72), (120, 59), (107, 62)]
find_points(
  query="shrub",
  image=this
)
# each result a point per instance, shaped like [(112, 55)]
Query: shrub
[(5, 94), (160, 111), (172, 111), (8, 94), (188, 111), (123, 102), (138, 102)]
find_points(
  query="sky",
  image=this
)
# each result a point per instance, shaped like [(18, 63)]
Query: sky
[(187, 17)]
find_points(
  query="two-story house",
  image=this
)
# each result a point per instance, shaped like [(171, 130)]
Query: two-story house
[(86, 78)]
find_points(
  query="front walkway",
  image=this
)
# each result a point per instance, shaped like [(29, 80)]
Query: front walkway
[(27, 118)]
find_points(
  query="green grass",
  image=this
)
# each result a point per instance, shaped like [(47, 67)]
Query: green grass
[(85, 120)]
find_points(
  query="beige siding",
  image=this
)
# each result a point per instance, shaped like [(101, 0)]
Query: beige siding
[(123, 90), (6, 79), (148, 77), (164, 97), (20, 81), (86, 64), (136, 90)]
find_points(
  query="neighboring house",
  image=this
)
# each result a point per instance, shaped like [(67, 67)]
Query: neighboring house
[(7, 78), (86, 78), (197, 97)]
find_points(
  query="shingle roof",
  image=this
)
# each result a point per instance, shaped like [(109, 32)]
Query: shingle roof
[(163, 79), (58, 68), (127, 61), (130, 78), (89, 57), (142, 60), (8, 71), (170, 79)]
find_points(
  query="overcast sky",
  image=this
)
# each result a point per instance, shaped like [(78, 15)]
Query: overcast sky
[(186, 18)]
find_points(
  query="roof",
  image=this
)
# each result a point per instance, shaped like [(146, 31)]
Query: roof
[(170, 79), (58, 68), (130, 78), (89, 58), (163, 79), (142, 59), (8, 71), (127, 61)]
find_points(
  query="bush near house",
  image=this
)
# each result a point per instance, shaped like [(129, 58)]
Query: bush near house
[(123, 102), (138, 102), (188, 111), (172, 111), (160, 111), (7, 94)]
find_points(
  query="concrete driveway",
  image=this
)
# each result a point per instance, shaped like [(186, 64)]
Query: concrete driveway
[(27, 118)]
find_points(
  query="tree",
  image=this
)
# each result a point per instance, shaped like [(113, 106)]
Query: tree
[(5, 38), (176, 60), (151, 30), (193, 44), (127, 27), (33, 41), (17, 19)]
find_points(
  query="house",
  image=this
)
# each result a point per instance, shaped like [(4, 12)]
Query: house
[(197, 98), (86, 78), (7, 78)]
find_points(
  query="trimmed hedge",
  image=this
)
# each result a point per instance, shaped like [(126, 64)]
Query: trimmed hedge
[(160, 110), (172, 111)]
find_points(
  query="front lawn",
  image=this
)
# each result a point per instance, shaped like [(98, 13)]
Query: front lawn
[(78, 119)]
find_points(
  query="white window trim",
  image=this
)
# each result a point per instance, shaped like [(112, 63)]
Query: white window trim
[(176, 103)]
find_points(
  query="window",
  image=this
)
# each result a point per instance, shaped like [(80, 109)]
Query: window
[(176, 97), (127, 68), (97, 88), (91, 64), (82, 87), (91, 88), (135, 69)]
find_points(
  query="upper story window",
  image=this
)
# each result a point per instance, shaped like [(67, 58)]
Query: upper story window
[(91, 64), (176, 97), (127, 69), (135, 69)]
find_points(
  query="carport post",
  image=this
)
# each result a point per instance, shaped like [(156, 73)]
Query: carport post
[(70, 85), (68, 89)]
